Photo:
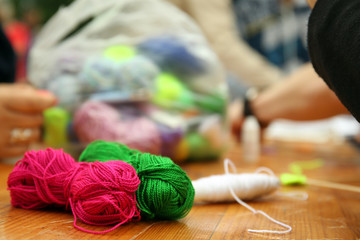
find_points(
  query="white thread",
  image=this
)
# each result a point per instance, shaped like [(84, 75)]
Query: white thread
[(289, 228), (266, 170), (298, 195), (247, 186)]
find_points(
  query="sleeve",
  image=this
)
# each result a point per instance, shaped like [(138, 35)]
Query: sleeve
[(334, 48), (217, 20), (7, 59)]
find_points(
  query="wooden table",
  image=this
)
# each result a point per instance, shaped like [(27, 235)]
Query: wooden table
[(327, 214)]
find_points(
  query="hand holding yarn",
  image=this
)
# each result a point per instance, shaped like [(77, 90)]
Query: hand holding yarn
[(21, 108)]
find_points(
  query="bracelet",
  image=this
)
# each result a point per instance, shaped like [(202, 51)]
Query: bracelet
[(250, 95), (247, 108)]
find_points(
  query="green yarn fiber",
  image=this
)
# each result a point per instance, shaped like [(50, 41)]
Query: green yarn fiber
[(103, 151), (165, 191)]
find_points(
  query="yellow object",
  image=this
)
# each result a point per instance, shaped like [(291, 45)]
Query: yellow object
[(299, 166), (56, 121), (171, 92), (119, 53), (292, 179), (181, 152)]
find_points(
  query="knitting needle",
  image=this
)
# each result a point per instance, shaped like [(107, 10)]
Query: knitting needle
[(298, 179), (328, 184)]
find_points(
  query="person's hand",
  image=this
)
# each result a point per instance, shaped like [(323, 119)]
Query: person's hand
[(235, 116), (311, 3), (21, 108)]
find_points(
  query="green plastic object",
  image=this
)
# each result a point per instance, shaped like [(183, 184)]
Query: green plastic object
[(292, 179), (56, 121)]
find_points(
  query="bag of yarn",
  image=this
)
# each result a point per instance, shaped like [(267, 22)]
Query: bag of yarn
[(138, 72)]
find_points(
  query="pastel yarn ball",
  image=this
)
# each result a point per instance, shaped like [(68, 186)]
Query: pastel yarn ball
[(200, 148), (119, 52), (137, 73), (172, 55), (171, 92), (98, 121), (68, 90), (98, 74), (170, 138)]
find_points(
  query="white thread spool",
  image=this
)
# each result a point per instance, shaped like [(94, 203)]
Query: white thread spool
[(230, 187), (251, 139), (247, 186)]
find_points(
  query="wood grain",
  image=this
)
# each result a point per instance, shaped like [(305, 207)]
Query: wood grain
[(327, 214)]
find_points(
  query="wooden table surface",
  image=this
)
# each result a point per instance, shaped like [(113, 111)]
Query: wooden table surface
[(327, 214)]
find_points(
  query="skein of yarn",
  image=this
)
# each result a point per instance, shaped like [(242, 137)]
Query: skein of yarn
[(170, 138), (172, 55), (165, 191), (97, 193), (106, 123)]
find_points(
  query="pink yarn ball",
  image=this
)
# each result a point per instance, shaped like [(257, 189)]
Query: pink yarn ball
[(37, 180), (103, 194), (98, 193), (99, 121)]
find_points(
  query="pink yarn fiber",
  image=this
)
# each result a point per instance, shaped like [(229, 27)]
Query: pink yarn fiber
[(98, 193), (99, 121)]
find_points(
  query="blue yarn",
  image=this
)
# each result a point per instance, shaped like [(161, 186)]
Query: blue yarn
[(136, 73), (67, 89), (172, 55), (170, 137), (98, 74)]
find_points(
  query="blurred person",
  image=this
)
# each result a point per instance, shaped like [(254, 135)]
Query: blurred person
[(247, 52), (21, 106), (19, 35), (334, 49), (302, 97), (332, 83)]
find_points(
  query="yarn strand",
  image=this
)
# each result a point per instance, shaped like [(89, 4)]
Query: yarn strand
[(96, 232), (228, 162), (96, 193)]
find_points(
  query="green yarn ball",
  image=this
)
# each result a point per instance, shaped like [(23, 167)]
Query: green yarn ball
[(165, 191), (200, 148), (172, 93), (103, 151)]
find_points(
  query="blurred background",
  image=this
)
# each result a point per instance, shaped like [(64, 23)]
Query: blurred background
[(257, 43), (22, 20)]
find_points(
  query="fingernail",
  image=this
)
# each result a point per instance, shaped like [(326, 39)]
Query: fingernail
[(47, 93), (44, 92)]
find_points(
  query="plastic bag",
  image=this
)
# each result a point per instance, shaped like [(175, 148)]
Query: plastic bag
[(138, 72)]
